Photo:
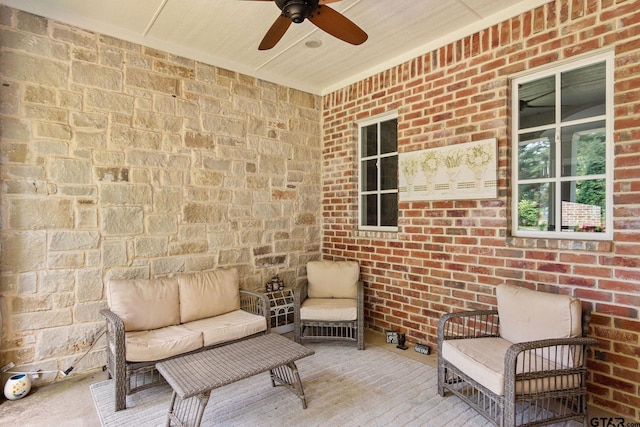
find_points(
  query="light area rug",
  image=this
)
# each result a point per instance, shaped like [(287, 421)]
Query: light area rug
[(343, 386)]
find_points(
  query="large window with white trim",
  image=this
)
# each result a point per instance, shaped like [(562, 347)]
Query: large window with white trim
[(378, 173), (562, 151)]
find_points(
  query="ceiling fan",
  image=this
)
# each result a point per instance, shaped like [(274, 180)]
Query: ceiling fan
[(527, 103), (316, 11)]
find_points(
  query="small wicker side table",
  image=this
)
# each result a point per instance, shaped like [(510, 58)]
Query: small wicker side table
[(281, 307), (192, 377)]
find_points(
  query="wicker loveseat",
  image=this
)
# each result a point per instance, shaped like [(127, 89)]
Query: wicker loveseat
[(153, 320), (330, 304), (522, 364)]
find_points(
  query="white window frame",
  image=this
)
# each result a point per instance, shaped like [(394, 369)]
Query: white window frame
[(608, 57), (368, 122)]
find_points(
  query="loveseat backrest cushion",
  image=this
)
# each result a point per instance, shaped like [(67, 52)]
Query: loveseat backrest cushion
[(208, 293), (332, 279), (527, 315), (144, 304)]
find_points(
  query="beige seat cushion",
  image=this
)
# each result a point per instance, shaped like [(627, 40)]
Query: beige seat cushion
[(147, 346), (527, 315), (144, 304), (229, 326), (329, 309), (483, 360), (333, 279), (208, 293)]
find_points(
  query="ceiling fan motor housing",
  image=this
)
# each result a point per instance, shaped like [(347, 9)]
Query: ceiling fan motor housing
[(297, 10)]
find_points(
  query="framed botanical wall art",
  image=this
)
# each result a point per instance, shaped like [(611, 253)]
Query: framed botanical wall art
[(461, 171)]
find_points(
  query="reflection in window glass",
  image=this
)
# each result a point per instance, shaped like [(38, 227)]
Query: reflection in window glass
[(369, 206), (389, 136), (537, 102), (584, 149), (535, 207), (584, 92), (536, 155), (583, 205), (370, 175), (389, 181), (369, 140), (389, 210)]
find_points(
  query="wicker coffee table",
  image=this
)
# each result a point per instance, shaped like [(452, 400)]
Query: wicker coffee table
[(192, 377)]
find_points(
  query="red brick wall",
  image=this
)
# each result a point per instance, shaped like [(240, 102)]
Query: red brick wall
[(449, 255)]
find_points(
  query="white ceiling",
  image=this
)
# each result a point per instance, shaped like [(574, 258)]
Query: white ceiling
[(226, 33)]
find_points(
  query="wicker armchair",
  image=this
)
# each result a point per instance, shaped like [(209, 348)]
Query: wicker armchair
[(523, 364), (330, 304)]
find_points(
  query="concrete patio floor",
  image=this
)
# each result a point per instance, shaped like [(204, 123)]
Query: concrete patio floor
[(68, 403), (65, 403)]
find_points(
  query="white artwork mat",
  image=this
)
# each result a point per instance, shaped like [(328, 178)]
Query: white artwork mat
[(461, 171)]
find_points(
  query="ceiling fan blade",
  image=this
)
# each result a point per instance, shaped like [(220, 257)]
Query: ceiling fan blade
[(275, 33), (338, 25), (321, 2)]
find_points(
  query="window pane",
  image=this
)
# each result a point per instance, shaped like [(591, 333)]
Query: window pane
[(370, 210), (584, 149), (389, 210), (583, 205), (536, 154), (369, 175), (389, 173), (584, 92), (389, 136), (537, 100), (535, 207), (369, 140)]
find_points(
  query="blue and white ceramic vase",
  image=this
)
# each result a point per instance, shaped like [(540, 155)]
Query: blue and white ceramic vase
[(17, 386)]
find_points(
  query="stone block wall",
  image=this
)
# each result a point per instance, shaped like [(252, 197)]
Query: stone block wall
[(120, 161), (449, 255)]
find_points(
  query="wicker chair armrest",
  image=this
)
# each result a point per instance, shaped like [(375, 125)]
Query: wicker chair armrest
[(360, 298), (116, 355), (569, 356), (115, 327), (360, 311), (468, 324), (554, 349), (300, 293), (256, 303)]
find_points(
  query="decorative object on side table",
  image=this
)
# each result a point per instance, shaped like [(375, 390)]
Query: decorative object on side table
[(275, 284), (392, 337), (401, 340)]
